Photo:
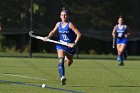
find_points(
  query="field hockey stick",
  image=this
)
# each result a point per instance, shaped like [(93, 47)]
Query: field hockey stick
[(44, 39), (113, 44), (35, 36)]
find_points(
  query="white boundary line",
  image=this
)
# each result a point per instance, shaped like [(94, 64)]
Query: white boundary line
[(23, 76)]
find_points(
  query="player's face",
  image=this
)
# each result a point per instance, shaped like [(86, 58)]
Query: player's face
[(120, 21), (64, 16)]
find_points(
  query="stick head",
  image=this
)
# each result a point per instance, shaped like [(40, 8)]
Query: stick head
[(31, 32), (113, 47)]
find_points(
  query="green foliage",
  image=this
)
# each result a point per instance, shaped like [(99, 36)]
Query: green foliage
[(95, 14), (85, 14), (14, 43)]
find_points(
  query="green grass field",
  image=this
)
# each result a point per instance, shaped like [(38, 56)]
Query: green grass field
[(26, 75)]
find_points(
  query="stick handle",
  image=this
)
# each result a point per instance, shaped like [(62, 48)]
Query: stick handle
[(49, 40), (53, 41), (113, 45)]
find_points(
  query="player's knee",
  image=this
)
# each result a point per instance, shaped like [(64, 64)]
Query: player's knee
[(61, 60), (120, 51), (61, 63)]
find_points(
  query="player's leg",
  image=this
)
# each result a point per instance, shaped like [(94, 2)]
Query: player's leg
[(69, 59), (61, 68), (125, 54), (121, 48), (119, 53), (118, 45)]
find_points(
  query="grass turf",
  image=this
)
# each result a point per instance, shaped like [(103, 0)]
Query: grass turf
[(85, 75)]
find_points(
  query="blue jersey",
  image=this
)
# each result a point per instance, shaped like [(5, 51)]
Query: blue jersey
[(120, 32), (66, 34)]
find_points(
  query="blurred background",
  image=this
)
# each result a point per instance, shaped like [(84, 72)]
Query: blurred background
[(94, 18)]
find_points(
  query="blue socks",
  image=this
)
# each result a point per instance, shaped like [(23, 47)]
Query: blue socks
[(120, 58), (61, 68)]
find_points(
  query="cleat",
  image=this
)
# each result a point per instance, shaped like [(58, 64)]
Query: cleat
[(121, 64), (65, 59), (63, 80), (118, 59)]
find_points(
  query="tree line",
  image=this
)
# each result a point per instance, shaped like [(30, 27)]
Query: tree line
[(86, 14)]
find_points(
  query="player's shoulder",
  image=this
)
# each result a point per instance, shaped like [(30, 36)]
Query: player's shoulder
[(116, 26), (125, 26), (57, 24), (71, 24)]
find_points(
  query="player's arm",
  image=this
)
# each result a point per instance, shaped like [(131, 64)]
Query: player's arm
[(128, 32), (114, 31), (54, 30), (77, 32)]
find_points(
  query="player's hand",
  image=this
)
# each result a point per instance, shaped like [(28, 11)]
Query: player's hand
[(46, 38), (113, 35), (71, 45), (126, 36)]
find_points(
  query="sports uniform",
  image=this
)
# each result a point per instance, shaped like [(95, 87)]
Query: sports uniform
[(66, 35), (121, 39), (120, 34)]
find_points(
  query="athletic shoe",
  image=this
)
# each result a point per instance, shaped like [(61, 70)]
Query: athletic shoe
[(118, 59), (63, 80), (65, 59), (121, 64)]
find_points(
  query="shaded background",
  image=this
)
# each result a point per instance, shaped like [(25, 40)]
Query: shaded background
[(94, 18)]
